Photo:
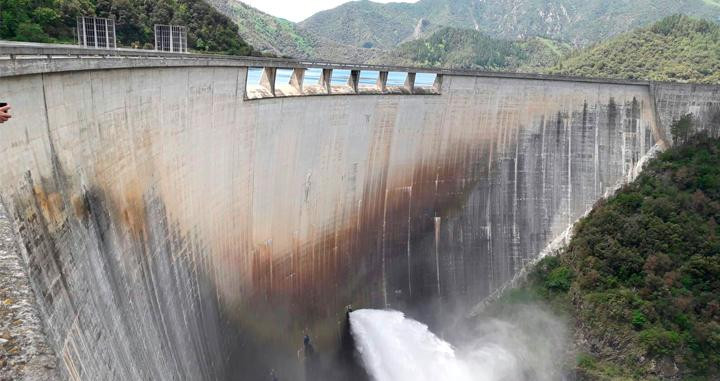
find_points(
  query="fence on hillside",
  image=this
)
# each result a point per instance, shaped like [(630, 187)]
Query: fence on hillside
[(171, 38), (96, 32)]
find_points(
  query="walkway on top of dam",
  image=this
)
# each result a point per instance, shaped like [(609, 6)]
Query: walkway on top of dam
[(20, 58), (266, 78)]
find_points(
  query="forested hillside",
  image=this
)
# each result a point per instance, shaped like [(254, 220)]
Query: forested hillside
[(678, 48), (470, 49), (267, 33), (640, 280), (500, 35), (55, 21), (366, 24), (579, 22), (279, 37)]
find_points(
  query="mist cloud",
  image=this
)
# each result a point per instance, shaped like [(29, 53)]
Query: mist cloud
[(526, 343)]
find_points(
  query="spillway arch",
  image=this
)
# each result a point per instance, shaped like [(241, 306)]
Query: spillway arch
[(173, 227)]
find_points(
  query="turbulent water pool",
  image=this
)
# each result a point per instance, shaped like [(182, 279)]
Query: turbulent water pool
[(394, 347)]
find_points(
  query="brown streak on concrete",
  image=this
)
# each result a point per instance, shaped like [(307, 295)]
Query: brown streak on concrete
[(50, 206)]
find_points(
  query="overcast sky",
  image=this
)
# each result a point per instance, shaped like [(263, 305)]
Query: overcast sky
[(298, 10)]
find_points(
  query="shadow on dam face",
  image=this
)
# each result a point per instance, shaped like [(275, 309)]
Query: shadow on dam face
[(166, 241)]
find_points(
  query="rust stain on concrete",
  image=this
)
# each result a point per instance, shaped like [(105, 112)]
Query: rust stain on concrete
[(50, 206)]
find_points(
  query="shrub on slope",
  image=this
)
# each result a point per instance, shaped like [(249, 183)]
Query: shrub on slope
[(641, 277), (678, 48)]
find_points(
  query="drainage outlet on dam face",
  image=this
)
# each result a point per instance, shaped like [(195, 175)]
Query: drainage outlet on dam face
[(349, 359), (319, 364)]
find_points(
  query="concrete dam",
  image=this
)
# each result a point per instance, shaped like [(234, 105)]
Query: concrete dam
[(175, 223)]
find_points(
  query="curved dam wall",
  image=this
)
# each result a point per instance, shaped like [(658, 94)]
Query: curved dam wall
[(173, 229)]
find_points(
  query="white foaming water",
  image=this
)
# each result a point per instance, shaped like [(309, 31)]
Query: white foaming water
[(396, 348)]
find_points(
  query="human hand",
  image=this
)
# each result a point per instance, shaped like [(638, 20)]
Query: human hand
[(4, 115)]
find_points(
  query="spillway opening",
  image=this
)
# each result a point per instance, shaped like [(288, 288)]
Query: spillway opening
[(315, 81), (289, 82), (342, 81), (260, 83), (396, 78), (427, 83), (340, 77), (273, 82), (282, 77), (254, 74), (369, 82), (425, 80)]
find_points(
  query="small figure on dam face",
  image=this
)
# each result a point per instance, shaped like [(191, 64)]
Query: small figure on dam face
[(308, 349), (4, 115), (310, 360)]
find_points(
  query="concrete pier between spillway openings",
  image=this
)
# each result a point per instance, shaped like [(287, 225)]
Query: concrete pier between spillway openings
[(174, 228)]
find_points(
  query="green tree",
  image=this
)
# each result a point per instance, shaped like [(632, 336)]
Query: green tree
[(641, 276), (55, 21), (677, 48), (682, 129)]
